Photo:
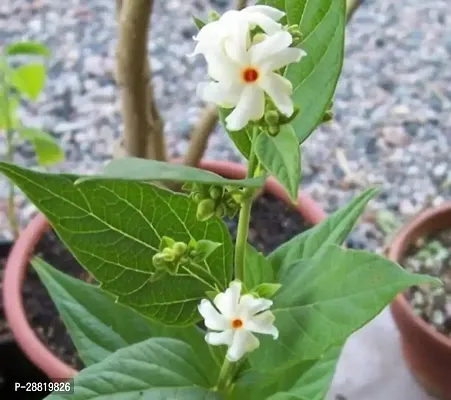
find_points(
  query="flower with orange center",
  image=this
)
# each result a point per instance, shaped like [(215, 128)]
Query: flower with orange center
[(234, 319), (243, 74)]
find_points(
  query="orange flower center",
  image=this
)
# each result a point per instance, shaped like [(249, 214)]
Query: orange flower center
[(250, 75), (237, 323)]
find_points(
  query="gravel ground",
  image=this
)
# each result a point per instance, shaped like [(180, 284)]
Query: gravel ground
[(392, 125)]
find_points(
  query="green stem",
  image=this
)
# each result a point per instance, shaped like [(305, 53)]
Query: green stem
[(9, 152), (244, 217), (225, 376)]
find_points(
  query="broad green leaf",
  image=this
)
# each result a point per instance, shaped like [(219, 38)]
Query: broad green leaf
[(325, 299), (315, 77), (47, 150), (29, 79), (138, 169), (8, 112), (307, 380), (26, 48), (198, 22), (258, 269), (281, 158), (157, 368), (313, 383), (267, 290), (332, 230), (99, 326), (114, 229), (242, 139)]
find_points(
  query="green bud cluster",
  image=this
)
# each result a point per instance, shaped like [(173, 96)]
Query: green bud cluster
[(172, 255), (216, 200), (328, 115), (273, 119), (296, 34)]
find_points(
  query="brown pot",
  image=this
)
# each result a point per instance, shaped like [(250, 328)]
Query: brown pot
[(23, 249), (426, 351)]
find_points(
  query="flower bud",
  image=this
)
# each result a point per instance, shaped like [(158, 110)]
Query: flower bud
[(205, 209), (215, 192), (179, 248), (328, 116), (220, 210), (272, 118), (273, 130), (158, 261), (168, 254), (197, 197), (258, 38), (237, 197)]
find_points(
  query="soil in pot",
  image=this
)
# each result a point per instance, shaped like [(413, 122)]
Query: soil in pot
[(432, 256), (272, 223)]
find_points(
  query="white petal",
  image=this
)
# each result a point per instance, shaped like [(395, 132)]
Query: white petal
[(267, 24), (227, 302), (219, 338), (248, 108), (242, 342), (269, 47), (269, 11), (221, 67), (263, 323), (226, 96), (250, 305), (213, 320), (282, 58), (276, 88), (236, 44), (210, 33)]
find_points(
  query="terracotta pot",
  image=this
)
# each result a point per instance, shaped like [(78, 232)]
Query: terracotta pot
[(23, 249), (426, 351)]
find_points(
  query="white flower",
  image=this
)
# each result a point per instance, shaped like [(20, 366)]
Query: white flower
[(237, 24), (237, 318), (243, 75)]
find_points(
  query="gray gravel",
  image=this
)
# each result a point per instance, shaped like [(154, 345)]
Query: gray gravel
[(392, 125)]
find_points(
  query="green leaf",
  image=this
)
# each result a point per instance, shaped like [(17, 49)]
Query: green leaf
[(242, 139), (205, 247), (138, 169), (332, 230), (314, 382), (29, 79), (266, 290), (307, 380), (26, 48), (315, 77), (47, 150), (198, 22), (281, 158), (325, 299), (8, 112), (99, 326), (114, 228), (155, 369), (258, 269)]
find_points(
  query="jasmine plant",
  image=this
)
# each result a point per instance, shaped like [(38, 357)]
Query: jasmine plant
[(182, 312)]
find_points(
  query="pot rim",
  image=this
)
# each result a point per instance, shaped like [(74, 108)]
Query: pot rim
[(22, 251), (416, 228)]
